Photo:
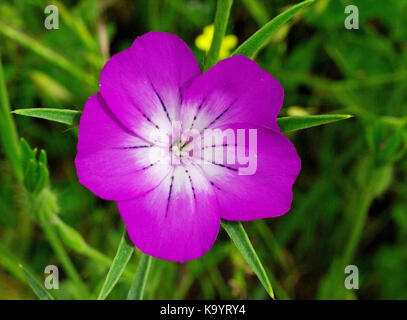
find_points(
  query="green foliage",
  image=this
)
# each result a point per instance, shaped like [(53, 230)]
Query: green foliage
[(36, 286), (221, 20), (36, 175), (65, 116), (252, 45), (288, 124), (239, 236), (138, 286), (349, 201), (123, 255)]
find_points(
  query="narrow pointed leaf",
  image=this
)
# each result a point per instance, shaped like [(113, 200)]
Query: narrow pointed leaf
[(8, 132), (123, 255), (58, 115), (46, 53), (136, 291), (288, 124), (250, 47), (36, 286), (239, 236)]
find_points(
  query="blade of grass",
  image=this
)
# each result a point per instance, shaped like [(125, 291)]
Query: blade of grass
[(257, 10), (288, 124), (251, 46), (46, 203), (136, 291), (8, 132), (221, 21), (123, 255), (239, 236), (58, 115), (76, 24), (46, 53), (36, 286)]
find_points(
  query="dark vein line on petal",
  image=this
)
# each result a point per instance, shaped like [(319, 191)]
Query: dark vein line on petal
[(162, 102), (218, 117), (133, 147), (219, 164), (222, 113), (197, 112), (219, 145), (206, 176), (214, 185), (181, 97), (192, 185), (169, 195), (150, 165)]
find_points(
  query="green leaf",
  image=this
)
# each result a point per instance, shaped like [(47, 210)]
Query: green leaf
[(239, 236), (252, 45), (221, 21), (288, 124), (46, 53), (36, 286), (136, 291), (58, 115), (8, 132), (26, 153), (123, 255), (70, 237), (257, 10), (31, 175)]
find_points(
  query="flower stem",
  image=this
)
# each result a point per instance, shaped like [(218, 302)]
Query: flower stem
[(56, 244), (136, 291), (120, 261), (239, 236), (8, 132), (221, 21)]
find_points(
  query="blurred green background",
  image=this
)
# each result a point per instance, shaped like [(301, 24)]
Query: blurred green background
[(350, 200)]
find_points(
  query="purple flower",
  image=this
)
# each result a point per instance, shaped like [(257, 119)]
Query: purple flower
[(127, 146)]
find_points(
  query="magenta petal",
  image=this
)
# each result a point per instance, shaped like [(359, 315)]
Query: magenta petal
[(267, 192), (178, 220), (235, 90), (111, 161), (143, 85)]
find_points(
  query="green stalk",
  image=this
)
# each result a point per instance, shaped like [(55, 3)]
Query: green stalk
[(252, 45), (36, 286), (240, 238), (120, 261), (257, 10), (8, 131), (46, 53), (136, 291), (46, 202), (221, 21), (361, 212)]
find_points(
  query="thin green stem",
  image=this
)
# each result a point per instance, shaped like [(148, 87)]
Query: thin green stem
[(58, 248), (46, 53), (136, 291), (8, 131), (251, 46), (240, 238), (361, 212), (221, 21), (120, 261)]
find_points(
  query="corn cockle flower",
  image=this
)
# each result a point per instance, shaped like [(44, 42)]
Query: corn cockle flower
[(170, 198)]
